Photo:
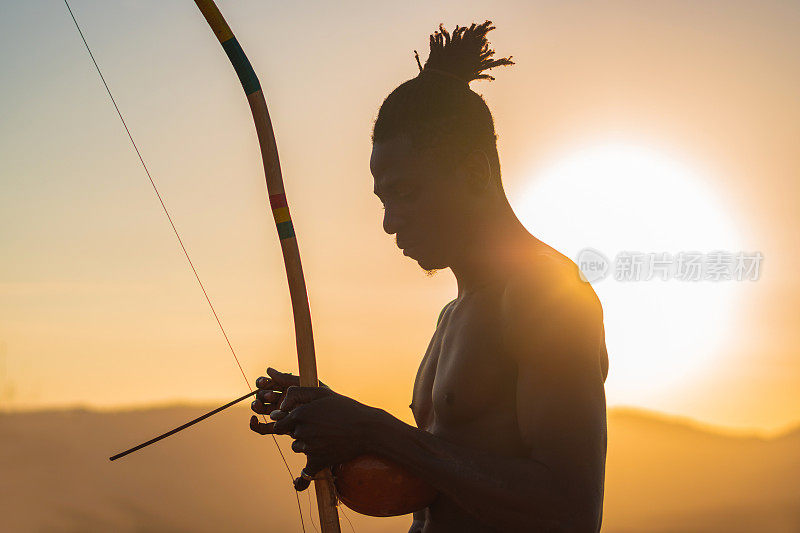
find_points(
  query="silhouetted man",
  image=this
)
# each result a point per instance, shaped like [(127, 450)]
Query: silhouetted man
[(509, 398)]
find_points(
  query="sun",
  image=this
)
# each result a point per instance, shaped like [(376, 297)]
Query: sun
[(616, 198)]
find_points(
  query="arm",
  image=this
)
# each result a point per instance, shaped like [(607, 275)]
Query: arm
[(561, 418)]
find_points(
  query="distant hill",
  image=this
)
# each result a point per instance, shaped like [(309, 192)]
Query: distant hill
[(663, 475), (671, 475)]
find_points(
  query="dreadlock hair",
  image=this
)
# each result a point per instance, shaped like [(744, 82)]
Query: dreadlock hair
[(437, 111)]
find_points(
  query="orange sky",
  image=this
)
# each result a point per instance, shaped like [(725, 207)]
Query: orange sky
[(98, 307)]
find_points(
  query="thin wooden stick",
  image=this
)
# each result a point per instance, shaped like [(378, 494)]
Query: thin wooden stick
[(181, 428)]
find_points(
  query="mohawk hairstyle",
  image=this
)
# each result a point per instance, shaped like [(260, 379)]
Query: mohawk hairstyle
[(437, 111)]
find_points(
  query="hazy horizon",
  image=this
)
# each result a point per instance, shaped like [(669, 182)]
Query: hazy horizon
[(661, 476)]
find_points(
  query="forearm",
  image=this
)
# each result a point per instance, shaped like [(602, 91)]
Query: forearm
[(508, 493)]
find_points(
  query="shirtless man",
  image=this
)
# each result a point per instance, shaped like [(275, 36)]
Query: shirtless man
[(509, 398)]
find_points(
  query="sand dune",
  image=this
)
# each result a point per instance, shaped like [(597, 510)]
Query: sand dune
[(662, 476)]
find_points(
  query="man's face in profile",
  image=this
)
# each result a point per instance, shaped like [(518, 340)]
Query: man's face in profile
[(423, 206)]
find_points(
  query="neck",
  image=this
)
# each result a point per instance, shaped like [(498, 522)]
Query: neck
[(498, 242)]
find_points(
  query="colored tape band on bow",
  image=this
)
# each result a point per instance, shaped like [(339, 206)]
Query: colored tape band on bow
[(280, 211), (242, 66), (233, 49), (281, 214), (277, 200), (285, 229)]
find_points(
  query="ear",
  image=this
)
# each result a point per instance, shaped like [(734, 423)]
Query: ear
[(475, 171)]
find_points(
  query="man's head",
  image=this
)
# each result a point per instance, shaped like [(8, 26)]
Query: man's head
[(434, 156)]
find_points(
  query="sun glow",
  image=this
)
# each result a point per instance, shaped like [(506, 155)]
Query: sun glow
[(617, 198)]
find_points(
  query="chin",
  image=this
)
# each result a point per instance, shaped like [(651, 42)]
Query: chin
[(424, 257), (428, 264)]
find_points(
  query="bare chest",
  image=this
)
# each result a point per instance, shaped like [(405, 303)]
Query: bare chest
[(466, 384)]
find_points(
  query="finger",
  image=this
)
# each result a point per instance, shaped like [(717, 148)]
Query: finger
[(278, 414), (283, 380), (276, 380), (285, 425), (264, 382), (299, 395), (260, 427), (313, 465), (301, 483), (307, 444), (261, 408), (269, 396)]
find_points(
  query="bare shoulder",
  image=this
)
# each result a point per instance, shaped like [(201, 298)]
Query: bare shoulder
[(550, 284), (546, 306)]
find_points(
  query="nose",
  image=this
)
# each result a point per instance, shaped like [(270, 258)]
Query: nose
[(391, 221)]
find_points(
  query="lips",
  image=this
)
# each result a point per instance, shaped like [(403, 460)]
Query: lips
[(406, 246)]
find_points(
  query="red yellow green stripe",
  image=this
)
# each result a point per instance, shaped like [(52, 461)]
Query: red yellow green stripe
[(280, 211)]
